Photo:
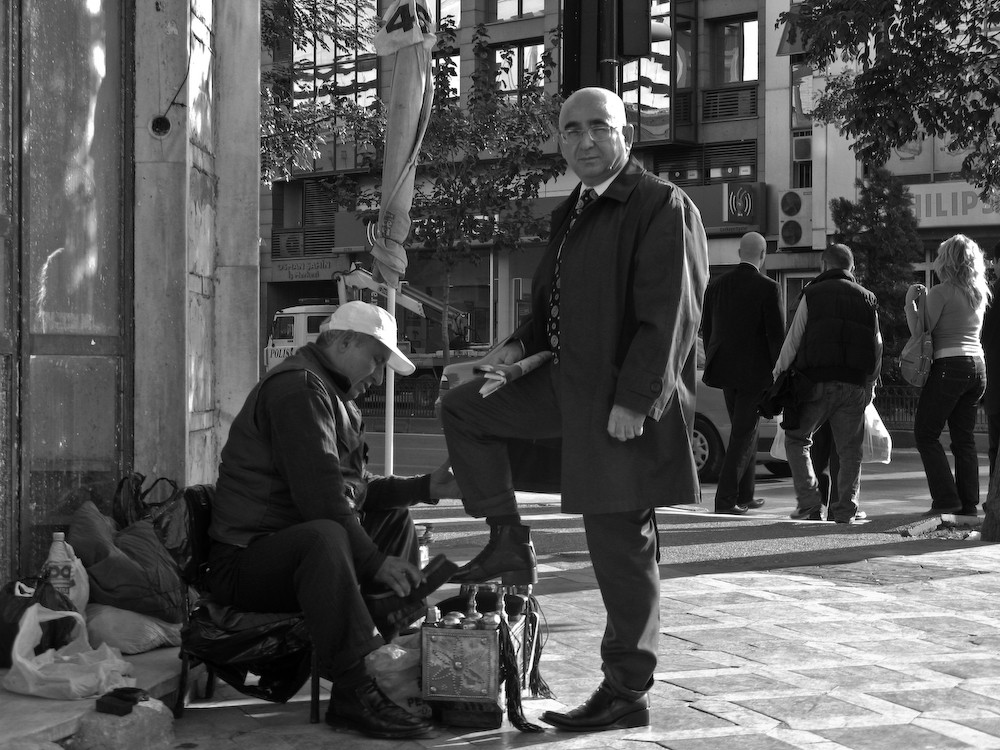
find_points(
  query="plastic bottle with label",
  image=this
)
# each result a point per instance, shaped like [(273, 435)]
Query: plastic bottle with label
[(424, 542), (59, 563)]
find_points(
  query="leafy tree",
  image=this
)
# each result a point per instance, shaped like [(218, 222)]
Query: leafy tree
[(481, 165), (295, 120), (918, 65), (882, 231)]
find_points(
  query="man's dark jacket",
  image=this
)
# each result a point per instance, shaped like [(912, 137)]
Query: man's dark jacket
[(742, 329), (296, 452), (840, 338)]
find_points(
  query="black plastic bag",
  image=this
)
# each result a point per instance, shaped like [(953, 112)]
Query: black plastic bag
[(55, 634), (275, 647)]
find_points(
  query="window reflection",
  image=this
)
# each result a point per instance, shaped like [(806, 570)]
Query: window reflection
[(73, 142)]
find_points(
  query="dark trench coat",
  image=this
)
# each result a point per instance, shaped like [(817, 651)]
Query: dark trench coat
[(633, 272)]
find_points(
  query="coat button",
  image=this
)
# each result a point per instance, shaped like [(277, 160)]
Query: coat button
[(656, 386)]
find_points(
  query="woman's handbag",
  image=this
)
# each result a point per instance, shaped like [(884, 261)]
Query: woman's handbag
[(918, 354)]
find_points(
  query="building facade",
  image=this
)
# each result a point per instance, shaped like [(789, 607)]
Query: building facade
[(129, 235), (721, 108)]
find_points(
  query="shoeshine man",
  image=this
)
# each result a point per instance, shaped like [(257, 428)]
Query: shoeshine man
[(617, 300)]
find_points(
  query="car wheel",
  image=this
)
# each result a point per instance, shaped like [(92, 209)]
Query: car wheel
[(706, 445), (779, 468)]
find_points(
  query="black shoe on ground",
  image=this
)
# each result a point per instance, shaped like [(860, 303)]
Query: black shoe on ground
[(369, 710), (509, 555), (736, 510), (810, 514), (602, 711), (754, 503)]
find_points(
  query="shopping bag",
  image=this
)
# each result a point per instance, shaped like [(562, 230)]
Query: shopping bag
[(15, 599), (396, 669), (877, 445), (73, 672), (778, 444)]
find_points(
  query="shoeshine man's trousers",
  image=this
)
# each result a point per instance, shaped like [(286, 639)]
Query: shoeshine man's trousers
[(309, 568), (624, 547)]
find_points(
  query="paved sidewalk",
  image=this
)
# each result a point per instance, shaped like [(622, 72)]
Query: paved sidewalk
[(898, 651)]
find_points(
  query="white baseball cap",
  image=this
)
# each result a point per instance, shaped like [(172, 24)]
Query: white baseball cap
[(374, 321)]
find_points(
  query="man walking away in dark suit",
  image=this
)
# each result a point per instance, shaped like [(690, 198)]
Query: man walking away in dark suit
[(616, 300), (743, 329)]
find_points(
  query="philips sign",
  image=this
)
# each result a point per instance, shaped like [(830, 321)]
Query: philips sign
[(950, 204)]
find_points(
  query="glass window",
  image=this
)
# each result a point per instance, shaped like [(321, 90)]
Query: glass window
[(514, 8), (735, 51), (518, 67), (447, 65), (446, 8), (72, 201), (313, 322), (283, 327), (645, 84)]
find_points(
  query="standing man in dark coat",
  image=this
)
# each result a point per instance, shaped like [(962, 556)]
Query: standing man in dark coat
[(743, 331), (617, 301)]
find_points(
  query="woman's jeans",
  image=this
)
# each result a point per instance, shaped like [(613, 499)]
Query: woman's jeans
[(951, 395)]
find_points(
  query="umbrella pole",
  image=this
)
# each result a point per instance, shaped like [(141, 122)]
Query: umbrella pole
[(390, 393)]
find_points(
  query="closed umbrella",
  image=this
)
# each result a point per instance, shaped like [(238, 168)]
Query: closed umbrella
[(405, 36)]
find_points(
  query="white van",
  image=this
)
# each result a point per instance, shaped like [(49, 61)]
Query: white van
[(293, 327)]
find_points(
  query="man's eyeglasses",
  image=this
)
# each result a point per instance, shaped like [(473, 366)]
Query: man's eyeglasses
[(598, 134)]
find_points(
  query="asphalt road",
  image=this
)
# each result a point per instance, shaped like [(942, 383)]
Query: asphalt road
[(692, 538)]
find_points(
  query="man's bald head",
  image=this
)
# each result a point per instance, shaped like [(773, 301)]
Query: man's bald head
[(753, 248)]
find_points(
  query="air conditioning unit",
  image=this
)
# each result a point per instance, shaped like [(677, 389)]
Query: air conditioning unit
[(795, 219)]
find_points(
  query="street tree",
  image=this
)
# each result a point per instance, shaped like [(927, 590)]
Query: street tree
[(881, 229), (296, 113), (483, 159), (917, 67)]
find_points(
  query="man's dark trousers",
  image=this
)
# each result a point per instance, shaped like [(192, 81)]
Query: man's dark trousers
[(737, 480), (623, 546), (309, 567)]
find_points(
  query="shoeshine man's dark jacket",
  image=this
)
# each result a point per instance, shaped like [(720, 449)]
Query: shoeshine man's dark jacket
[(296, 452)]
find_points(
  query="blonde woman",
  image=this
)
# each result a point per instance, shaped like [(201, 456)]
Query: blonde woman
[(954, 310)]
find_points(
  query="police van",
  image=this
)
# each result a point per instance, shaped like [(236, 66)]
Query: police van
[(293, 327)]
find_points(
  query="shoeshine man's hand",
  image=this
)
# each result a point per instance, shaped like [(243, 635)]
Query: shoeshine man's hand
[(443, 484), (624, 423), (398, 575)]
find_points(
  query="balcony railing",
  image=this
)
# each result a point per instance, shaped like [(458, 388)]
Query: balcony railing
[(414, 398), (897, 404)]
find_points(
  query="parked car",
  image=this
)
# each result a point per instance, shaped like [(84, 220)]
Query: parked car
[(709, 437)]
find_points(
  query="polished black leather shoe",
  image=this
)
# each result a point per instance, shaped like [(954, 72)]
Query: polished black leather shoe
[(754, 503), (736, 510), (509, 556), (369, 710), (602, 711), (392, 613)]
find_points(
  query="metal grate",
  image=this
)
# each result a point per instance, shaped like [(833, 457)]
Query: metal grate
[(684, 108), (729, 103)]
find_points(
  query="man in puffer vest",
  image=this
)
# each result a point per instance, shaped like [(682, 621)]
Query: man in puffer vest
[(834, 341)]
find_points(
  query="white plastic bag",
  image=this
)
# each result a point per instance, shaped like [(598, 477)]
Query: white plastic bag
[(79, 592), (778, 445), (396, 668), (877, 445), (129, 632), (72, 672)]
